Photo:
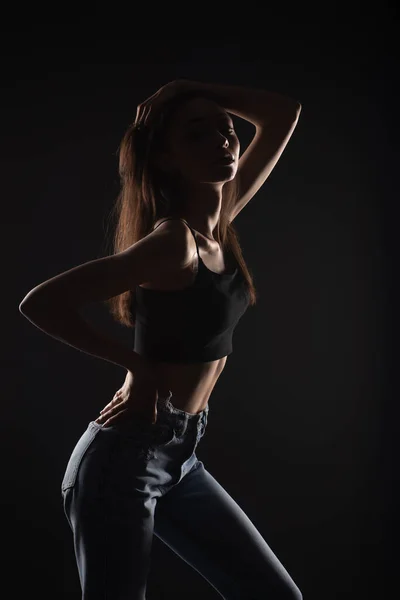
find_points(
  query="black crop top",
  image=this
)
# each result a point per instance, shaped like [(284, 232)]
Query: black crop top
[(193, 324)]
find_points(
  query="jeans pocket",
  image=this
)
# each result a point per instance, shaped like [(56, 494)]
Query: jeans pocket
[(76, 457)]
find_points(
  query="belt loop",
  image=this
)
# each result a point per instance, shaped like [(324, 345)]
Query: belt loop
[(200, 423)]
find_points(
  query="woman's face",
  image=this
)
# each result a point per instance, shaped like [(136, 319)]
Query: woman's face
[(196, 138)]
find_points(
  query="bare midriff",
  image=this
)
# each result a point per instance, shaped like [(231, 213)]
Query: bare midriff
[(191, 384)]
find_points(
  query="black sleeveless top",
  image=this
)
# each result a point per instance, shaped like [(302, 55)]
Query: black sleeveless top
[(193, 324)]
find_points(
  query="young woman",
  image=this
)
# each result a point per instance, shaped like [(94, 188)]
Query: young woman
[(178, 276)]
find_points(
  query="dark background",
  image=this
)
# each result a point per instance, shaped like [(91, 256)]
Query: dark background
[(303, 421)]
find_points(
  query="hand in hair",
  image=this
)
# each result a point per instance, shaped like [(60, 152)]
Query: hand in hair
[(148, 107)]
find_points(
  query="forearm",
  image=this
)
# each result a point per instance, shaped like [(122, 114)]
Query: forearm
[(68, 326), (257, 106)]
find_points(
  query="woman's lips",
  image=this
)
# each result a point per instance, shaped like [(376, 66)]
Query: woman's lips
[(225, 160)]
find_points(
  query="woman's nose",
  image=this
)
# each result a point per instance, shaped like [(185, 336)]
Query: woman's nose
[(222, 141)]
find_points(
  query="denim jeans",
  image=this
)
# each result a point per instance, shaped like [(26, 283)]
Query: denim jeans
[(127, 482)]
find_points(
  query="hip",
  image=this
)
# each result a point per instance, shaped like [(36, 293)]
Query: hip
[(135, 451)]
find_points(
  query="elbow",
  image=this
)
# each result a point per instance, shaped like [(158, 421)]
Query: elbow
[(35, 303), (38, 304), (28, 307), (27, 303), (24, 305)]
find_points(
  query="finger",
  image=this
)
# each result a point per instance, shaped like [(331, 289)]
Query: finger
[(113, 402), (151, 107), (143, 108), (107, 415), (147, 116), (140, 112), (106, 412), (112, 420), (139, 117)]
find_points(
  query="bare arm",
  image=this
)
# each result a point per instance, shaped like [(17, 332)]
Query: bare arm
[(53, 306), (68, 326), (260, 107), (275, 118)]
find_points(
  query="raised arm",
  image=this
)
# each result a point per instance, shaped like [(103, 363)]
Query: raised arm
[(274, 116)]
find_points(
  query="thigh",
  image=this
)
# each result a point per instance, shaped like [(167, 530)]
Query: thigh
[(111, 513), (112, 549), (204, 525)]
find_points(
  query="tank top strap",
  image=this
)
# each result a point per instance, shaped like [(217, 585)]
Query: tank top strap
[(184, 220)]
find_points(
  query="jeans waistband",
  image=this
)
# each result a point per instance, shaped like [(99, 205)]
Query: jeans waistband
[(187, 420)]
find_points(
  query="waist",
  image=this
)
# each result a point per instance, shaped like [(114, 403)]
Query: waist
[(190, 384)]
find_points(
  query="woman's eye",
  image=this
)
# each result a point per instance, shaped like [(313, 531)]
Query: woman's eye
[(194, 135), (228, 131)]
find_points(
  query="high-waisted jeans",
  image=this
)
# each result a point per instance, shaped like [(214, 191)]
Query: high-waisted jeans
[(125, 482)]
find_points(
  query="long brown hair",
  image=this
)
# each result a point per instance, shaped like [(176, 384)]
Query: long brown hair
[(147, 195)]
